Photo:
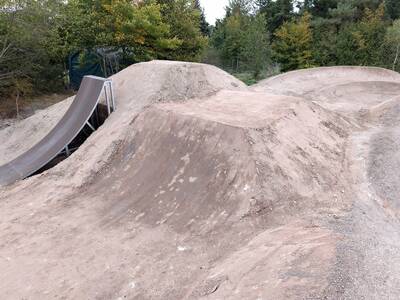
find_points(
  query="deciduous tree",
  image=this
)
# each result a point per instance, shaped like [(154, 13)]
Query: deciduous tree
[(184, 20)]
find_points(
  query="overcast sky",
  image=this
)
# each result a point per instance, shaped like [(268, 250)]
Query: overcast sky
[(214, 9)]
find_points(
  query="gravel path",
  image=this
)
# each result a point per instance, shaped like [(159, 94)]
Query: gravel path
[(368, 264)]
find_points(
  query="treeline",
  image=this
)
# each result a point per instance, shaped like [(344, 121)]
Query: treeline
[(261, 36), (37, 37), (257, 37)]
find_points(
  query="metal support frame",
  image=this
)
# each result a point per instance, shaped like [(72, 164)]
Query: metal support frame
[(110, 102), (90, 125), (67, 152), (109, 95)]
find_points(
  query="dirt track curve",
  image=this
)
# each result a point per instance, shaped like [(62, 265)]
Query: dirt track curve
[(199, 187)]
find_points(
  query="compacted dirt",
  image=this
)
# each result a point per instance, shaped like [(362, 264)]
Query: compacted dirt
[(199, 187), (368, 256)]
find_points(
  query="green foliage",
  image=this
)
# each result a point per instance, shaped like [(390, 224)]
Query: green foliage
[(35, 60), (393, 9), (139, 31), (324, 42), (204, 26), (184, 20), (228, 37), (26, 59), (319, 8), (256, 52), (247, 77), (391, 46), (276, 12), (242, 40), (361, 43), (148, 30), (253, 36), (293, 45), (238, 7)]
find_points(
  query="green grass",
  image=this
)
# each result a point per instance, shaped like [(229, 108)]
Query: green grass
[(247, 77)]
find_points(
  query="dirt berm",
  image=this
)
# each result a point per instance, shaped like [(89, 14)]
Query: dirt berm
[(195, 188)]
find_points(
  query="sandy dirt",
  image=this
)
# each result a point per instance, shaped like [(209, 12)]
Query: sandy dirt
[(19, 136), (198, 187)]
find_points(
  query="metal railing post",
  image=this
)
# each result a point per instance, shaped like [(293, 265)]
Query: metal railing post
[(107, 100), (112, 95)]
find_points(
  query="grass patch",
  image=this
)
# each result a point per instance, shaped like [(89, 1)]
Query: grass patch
[(249, 78)]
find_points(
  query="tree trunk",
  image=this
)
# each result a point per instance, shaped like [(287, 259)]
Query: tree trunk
[(17, 103), (104, 66), (397, 57)]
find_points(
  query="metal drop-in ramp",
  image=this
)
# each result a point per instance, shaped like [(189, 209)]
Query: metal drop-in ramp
[(80, 114)]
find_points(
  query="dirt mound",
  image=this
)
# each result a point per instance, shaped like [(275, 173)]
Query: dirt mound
[(351, 91), (354, 97), (386, 113), (22, 135), (135, 87), (302, 82), (199, 188), (192, 198), (265, 147), (161, 81)]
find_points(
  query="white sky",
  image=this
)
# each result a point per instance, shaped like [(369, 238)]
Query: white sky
[(214, 9)]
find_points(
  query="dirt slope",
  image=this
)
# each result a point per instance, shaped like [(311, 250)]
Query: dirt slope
[(22, 135), (198, 188), (302, 82), (189, 188), (368, 259)]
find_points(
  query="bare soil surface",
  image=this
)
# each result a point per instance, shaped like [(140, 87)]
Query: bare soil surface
[(368, 256), (198, 187)]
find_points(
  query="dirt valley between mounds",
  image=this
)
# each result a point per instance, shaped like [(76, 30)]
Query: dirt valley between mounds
[(199, 187)]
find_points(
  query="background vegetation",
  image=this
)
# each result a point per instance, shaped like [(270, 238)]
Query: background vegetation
[(255, 39), (262, 37)]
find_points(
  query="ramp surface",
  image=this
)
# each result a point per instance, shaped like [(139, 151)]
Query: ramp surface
[(62, 134)]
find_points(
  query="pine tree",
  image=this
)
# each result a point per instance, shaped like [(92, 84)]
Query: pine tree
[(361, 43), (276, 12), (293, 45), (393, 8), (319, 8), (204, 26)]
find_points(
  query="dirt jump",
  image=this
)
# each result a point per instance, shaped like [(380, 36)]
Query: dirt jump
[(199, 187)]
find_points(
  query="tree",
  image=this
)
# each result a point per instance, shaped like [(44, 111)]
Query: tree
[(242, 40), (234, 40), (228, 36), (344, 13), (276, 12), (392, 9), (256, 50), (392, 45), (293, 45), (242, 7), (324, 42), (138, 30), (184, 21), (25, 60), (319, 8), (204, 26), (361, 43)]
